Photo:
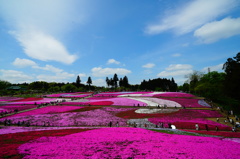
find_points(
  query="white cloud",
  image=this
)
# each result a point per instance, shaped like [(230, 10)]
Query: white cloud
[(49, 68), (82, 75), (192, 15), (213, 68), (179, 67), (58, 77), (37, 25), (41, 46), (149, 65), (217, 30), (99, 82), (177, 71), (174, 73), (23, 63), (102, 72), (112, 61), (176, 55), (14, 76)]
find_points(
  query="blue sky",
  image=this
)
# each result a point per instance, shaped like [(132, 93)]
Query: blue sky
[(142, 39)]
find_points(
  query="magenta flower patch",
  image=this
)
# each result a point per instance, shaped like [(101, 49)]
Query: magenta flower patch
[(129, 143), (47, 110), (187, 118)]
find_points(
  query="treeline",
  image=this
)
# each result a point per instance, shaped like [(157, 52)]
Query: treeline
[(223, 88), (159, 84), (112, 84)]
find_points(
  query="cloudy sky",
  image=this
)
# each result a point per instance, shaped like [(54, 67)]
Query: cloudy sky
[(56, 40)]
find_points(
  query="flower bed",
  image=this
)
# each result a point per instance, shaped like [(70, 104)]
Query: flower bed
[(71, 95), (186, 119), (18, 107), (131, 114), (9, 143), (96, 117), (129, 143), (119, 101), (174, 94), (6, 99), (218, 133), (28, 99), (37, 101), (163, 102), (47, 110), (103, 103), (186, 102)]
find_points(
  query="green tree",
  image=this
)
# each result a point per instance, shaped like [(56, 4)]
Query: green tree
[(115, 80), (211, 85), (108, 82), (125, 82), (232, 81), (4, 84), (69, 88), (193, 79), (89, 82), (78, 81), (39, 86)]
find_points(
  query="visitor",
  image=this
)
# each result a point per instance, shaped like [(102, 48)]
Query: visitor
[(206, 126), (117, 124), (217, 119), (169, 125), (216, 128), (110, 124), (196, 126)]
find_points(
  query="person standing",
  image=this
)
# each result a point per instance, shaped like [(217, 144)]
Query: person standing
[(196, 126)]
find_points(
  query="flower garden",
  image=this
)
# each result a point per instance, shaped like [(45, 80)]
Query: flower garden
[(114, 125)]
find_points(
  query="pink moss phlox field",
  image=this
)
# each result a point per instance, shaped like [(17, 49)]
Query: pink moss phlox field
[(91, 102), (17, 129), (97, 117), (188, 103), (6, 99), (71, 95), (129, 143), (118, 101), (169, 103), (40, 101), (47, 110), (186, 118), (18, 107), (115, 94), (174, 94)]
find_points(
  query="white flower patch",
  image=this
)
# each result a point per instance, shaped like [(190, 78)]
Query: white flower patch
[(154, 111), (149, 103), (157, 102)]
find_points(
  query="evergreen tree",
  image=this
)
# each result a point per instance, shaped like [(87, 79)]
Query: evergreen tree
[(115, 80), (89, 81), (108, 82), (78, 81), (125, 82), (121, 82)]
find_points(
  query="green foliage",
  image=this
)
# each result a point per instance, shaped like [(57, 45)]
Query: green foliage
[(232, 81), (4, 84), (69, 88), (162, 84), (54, 89), (78, 81)]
